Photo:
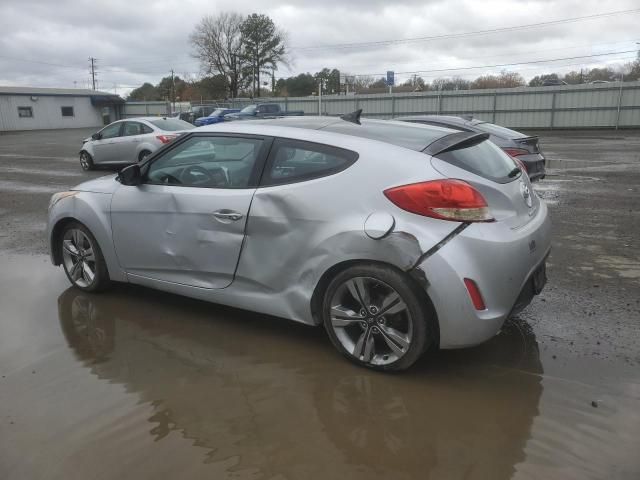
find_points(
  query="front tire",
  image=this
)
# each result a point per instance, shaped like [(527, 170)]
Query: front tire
[(377, 318), (82, 258), (143, 155), (86, 162)]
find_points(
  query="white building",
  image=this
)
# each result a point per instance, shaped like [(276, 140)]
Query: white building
[(30, 108)]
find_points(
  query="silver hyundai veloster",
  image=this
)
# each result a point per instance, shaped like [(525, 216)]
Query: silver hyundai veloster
[(396, 237)]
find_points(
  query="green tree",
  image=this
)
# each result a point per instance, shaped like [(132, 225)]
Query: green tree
[(299, 86), (263, 47), (538, 80), (171, 88), (145, 92), (330, 80), (606, 74), (574, 78)]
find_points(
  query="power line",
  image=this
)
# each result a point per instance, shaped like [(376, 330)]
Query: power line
[(500, 64), (466, 34)]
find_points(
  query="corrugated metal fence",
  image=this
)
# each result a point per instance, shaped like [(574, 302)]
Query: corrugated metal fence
[(608, 105)]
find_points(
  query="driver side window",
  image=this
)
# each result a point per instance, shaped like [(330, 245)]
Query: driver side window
[(210, 162), (111, 131)]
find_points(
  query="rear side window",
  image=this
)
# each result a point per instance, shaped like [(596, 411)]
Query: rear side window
[(296, 161), (484, 159)]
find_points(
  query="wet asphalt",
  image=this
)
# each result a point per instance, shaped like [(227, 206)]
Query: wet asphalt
[(139, 384)]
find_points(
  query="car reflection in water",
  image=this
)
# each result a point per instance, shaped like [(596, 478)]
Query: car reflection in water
[(272, 394)]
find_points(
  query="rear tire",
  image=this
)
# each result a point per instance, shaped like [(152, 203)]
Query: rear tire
[(377, 318), (86, 162), (82, 258)]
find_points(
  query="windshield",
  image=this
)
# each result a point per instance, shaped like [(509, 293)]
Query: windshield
[(217, 112), (249, 109), (497, 130), (171, 124)]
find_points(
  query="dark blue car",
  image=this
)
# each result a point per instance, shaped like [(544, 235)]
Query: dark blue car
[(216, 116)]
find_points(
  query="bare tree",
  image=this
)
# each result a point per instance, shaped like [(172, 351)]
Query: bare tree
[(217, 42)]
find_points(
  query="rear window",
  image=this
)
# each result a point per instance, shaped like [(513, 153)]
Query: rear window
[(402, 134), (484, 159), (497, 130), (171, 124)]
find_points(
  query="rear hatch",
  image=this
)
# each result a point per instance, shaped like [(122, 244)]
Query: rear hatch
[(472, 158)]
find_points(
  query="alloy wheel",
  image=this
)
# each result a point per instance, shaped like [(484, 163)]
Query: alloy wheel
[(84, 161), (371, 320), (78, 255)]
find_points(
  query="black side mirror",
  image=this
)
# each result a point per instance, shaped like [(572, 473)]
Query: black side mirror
[(130, 175), (96, 136)]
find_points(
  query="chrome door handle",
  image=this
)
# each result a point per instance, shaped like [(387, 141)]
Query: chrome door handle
[(228, 215)]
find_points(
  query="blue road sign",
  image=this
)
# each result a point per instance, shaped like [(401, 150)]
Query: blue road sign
[(390, 78)]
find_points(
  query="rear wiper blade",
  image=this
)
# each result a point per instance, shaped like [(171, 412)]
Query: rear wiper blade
[(514, 173), (455, 141)]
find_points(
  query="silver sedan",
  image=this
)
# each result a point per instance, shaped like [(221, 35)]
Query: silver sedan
[(128, 141), (396, 237)]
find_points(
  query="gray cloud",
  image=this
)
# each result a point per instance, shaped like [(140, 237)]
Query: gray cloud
[(142, 40)]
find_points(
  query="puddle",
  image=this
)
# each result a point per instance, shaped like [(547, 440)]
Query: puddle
[(134, 383)]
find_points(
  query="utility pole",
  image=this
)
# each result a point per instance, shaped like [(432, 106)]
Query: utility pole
[(234, 82), (93, 72), (273, 81), (320, 97), (173, 91)]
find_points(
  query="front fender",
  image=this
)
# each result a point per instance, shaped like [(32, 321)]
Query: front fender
[(93, 211)]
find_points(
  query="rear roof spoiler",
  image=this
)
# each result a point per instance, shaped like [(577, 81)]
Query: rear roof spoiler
[(455, 141)]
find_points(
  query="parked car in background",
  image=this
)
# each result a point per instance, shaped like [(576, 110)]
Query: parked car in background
[(216, 116), (199, 111), (396, 237), (523, 147), (262, 110), (129, 141)]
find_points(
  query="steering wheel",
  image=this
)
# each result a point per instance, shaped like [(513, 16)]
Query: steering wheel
[(196, 175)]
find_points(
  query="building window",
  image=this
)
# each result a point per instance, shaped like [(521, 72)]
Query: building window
[(25, 112), (67, 111)]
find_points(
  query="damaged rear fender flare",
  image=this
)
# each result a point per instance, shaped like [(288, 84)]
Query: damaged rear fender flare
[(329, 274)]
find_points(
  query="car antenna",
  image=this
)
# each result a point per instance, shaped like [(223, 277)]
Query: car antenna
[(353, 117)]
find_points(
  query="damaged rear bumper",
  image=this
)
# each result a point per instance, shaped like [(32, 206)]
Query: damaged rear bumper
[(503, 263)]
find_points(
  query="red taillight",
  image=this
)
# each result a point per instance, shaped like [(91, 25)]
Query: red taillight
[(165, 138), (514, 152), (443, 199), (474, 293)]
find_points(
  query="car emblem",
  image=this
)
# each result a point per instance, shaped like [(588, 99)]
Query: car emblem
[(526, 194)]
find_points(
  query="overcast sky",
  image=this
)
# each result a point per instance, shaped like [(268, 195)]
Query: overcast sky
[(141, 40)]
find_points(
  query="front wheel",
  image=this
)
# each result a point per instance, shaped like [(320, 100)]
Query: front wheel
[(377, 318), (86, 162), (143, 155), (82, 258)]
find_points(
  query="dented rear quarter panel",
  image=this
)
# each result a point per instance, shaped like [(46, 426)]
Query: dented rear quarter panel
[(297, 232)]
